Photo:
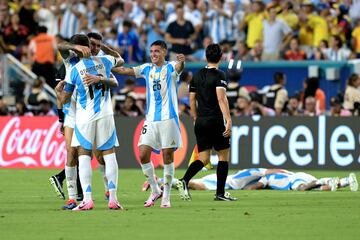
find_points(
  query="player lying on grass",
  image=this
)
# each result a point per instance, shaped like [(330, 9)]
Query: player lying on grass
[(279, 179), (304, 181)]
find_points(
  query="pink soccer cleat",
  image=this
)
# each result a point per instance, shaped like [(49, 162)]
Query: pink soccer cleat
[(84, 206), (152, 199), (115, 205)]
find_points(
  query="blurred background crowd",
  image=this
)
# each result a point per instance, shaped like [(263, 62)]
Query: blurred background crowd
[(257, 30)]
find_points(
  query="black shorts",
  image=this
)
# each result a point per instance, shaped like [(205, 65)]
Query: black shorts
[(209, 134)]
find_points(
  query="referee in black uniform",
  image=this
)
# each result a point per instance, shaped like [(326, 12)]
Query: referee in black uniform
[(210, 110)]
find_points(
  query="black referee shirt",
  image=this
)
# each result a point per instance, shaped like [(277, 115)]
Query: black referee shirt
[(204, 84)]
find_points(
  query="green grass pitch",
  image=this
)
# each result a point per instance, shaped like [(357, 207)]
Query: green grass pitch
[(29, 209)]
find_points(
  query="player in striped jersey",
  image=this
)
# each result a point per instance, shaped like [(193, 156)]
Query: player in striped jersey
[(161, 129), (94, 122)]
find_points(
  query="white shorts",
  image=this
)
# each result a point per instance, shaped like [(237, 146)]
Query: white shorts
[(100, 134), (301, 178), (210, 182), (160, 135), (69, 121)]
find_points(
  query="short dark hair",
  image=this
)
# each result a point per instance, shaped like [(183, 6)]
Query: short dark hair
[(160, 43), (95, 35), (80, 39), (42, 29), (127, 23), (278, 77), (213, 53)]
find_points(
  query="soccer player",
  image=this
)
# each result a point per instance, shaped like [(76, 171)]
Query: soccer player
[(211, 114), (94, 122), (70, 52), (161, 130)]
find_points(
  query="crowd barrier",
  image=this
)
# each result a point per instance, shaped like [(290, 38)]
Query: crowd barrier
[(280, 142)]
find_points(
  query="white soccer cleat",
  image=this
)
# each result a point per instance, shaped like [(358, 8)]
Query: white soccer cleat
[(353, 183), (183, 190)]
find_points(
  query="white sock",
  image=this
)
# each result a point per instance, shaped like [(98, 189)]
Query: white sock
[(168, 177), (148, 170), (323, 181), (71, 175), (102, 170), (85, 174), (344, 182), (111, 171)]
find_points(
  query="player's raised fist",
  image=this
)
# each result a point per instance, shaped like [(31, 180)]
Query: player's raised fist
[(180, 57)]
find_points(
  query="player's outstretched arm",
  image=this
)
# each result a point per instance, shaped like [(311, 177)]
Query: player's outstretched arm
[(66, 47), (123, 71), (92, 79), (179, 67)]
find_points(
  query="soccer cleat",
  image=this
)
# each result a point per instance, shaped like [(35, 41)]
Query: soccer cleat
[(57, 186), (353, 183), (107, 195), (115, 205), (152, 199), (145, 186), (84, 206), (333, 183), (224, 197), (165, 202), (70, 205), (183, 190)]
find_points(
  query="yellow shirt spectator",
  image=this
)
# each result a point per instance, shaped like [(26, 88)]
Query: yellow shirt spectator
[(320, 29), (291, 19), (306, 36), (356, 36), (255, 28)]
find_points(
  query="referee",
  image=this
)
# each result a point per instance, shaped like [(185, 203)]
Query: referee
[(210, 110)]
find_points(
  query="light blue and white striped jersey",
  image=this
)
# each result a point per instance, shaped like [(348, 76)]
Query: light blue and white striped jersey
[(161, 90), (94, 101), (277, 181), (70, 107), (70, 23), (301, 178), (219, 26), (245, 177)]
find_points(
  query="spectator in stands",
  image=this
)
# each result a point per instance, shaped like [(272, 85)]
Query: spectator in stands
[(226, 48), (242, 106), (352, 92), (42, 51), (257, 108), (277, 96), (48, 16), (256, 52), (219, 21), (37, 94), (342, 25), (184, 108), (154, 26), (45, 109), (127, 90), (129, 108), (311, 88), (294, 53), (180, 34), (288, 15), (336, 52), (253, 21), (3, 107), (317, 54), (22, 110), (293, 106), (242, 53), (27, 15), (356, 37), (319, 25), (128, 42), (310, 107), (336, 108), (234, 90), (276, 34), (15, 34), (199, 54), (74, 11)]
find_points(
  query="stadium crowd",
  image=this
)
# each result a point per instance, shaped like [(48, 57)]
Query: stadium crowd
[(254, 30)]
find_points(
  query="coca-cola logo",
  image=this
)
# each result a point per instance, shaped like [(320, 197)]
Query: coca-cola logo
[(31, 142)]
